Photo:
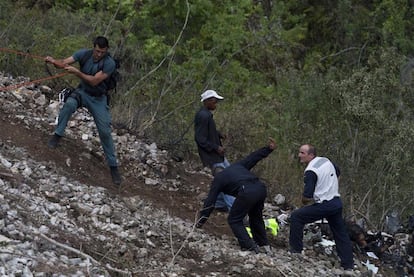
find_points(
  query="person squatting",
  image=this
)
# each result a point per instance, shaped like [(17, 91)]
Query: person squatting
[(320, 198), (249, 192)]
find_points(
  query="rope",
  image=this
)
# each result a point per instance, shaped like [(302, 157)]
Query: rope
[(21, 53), (12, 87), (56, 64)]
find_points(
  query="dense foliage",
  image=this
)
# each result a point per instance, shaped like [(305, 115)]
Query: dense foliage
[(333, 73)]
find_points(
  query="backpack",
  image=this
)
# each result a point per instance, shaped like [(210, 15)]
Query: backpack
[(113, 79)]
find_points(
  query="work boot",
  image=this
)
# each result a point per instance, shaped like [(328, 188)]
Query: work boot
[(222, 209), (116, 177), (296, 254), (348, 273), (54, 141), (254, 249), (265, 249)]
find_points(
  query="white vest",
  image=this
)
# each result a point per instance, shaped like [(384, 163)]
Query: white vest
[(327, 184)]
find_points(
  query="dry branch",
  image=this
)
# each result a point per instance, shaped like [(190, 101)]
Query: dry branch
[(86, 256)]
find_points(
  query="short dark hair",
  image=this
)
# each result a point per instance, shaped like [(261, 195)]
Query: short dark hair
[(101, 41), (312, 150)]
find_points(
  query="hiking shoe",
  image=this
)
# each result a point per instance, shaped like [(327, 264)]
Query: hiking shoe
[(222, 209), (296, 254), (254, 249), (348, 272), (265, 249), (116, 177), (54, 141)]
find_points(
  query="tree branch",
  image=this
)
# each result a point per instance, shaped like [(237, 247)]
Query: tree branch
[(169, 52), (86, 256)]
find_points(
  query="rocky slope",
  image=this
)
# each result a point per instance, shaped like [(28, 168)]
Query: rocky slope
[(60, 215)]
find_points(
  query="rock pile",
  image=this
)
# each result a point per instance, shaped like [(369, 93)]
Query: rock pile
[(52, 224)]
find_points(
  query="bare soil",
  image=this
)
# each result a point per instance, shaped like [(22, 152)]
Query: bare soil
[(182, 203)]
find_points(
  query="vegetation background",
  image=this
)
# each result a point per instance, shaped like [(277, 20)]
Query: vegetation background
[(336, 74)]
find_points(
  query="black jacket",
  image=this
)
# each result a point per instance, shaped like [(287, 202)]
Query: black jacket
[(207, 138), (231, 179)]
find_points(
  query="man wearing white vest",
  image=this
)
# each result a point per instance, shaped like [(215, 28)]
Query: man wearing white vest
[(322, 200)]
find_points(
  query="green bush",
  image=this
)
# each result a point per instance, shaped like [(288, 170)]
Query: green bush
[(297, 73)]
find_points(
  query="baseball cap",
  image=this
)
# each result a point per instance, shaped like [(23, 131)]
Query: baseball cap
[(210, 93)]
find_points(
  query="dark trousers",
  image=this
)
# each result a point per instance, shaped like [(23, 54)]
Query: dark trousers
[(332, 211), (249, 201)]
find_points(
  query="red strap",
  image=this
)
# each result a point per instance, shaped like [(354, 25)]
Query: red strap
[(21, 53), (56, 64), (12, 87)]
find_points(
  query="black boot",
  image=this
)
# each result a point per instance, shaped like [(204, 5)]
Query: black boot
[(116, 177), (54, 141), (254, 249)]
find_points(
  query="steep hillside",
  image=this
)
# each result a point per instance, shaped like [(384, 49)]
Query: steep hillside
[(62, 216)]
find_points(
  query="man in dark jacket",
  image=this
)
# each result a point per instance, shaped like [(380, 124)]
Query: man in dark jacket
[(250, 193), (209, 144)]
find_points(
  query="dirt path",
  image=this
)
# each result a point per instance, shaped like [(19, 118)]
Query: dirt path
[(182, 203)]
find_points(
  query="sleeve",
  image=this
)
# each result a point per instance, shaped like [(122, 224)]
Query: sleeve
[(77, 56), (337, 170), (208, 206), (109, 65), (310, 180), (251, 160), (202, 122)]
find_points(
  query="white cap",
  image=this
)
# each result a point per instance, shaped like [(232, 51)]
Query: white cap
[(210, 93)]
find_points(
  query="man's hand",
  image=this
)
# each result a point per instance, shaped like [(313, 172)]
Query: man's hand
[(221, 150), (272, 143), (49, 59), (201, 221), (72, 69), (56, 63), (307, 201)]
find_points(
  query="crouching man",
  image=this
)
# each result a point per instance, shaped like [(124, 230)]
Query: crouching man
[(250, 193)]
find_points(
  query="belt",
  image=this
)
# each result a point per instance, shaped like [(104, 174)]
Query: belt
[(250, 182), (324, 201), (95, 93)]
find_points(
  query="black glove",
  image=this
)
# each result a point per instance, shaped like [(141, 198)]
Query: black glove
[(201, 221)]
